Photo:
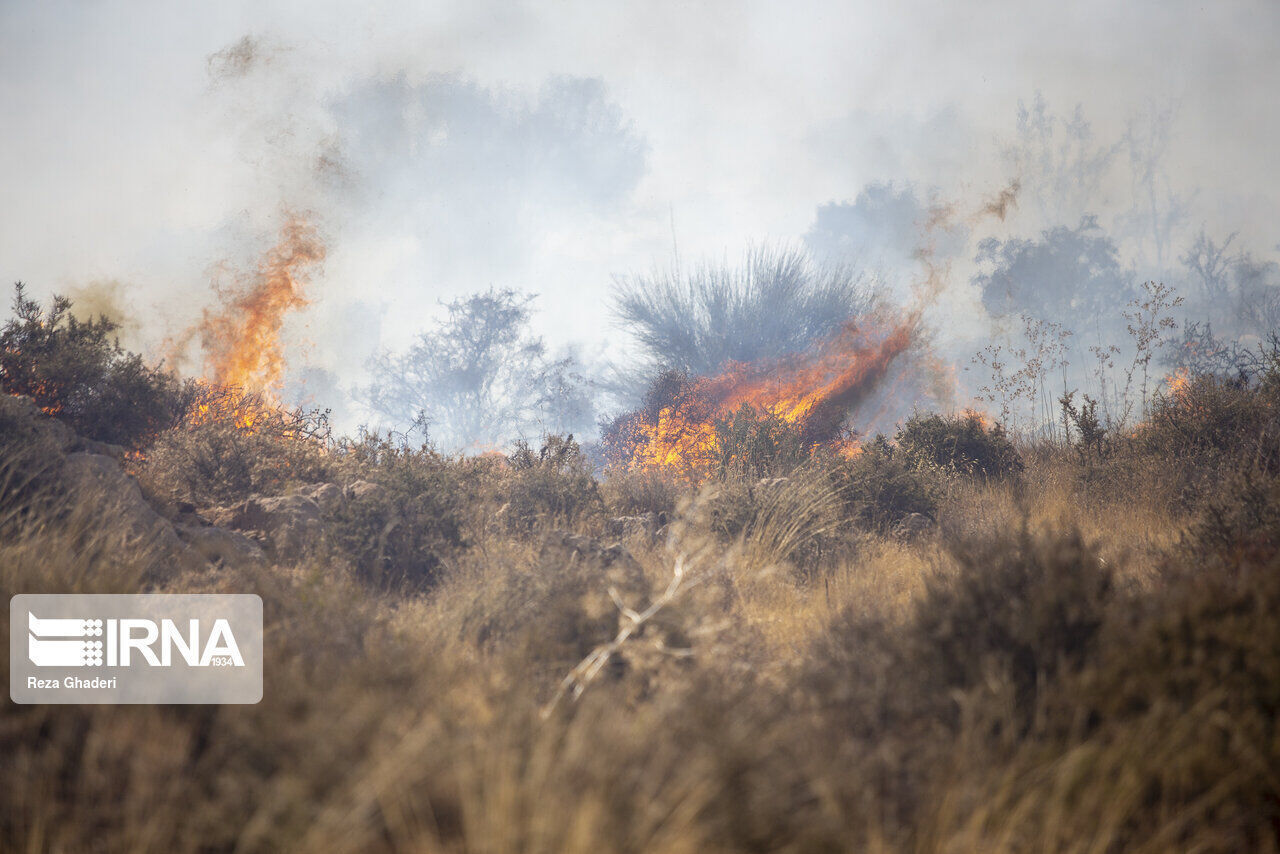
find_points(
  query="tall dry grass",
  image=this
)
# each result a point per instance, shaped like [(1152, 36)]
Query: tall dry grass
[(1059, 663)]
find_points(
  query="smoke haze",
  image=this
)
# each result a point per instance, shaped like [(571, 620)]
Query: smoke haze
[(550, 147)]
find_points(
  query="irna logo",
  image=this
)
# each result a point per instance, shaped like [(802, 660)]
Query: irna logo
[(135, 648), (91, 642)]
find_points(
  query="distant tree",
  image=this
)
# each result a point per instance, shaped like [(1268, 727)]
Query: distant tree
[(777, 301), (480, 378), (1235, 289), (887, 224), (1209, 264), (1069, 275), (1060, 165), (1157, 209), (1257, 294)]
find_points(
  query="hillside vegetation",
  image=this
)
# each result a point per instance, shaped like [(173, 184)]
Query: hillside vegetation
[(952, 641)]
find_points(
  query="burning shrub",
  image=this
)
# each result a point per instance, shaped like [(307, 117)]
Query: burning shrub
[(881, 487), (1209, 421), (960, 443), (672, 432), (758, 443), (236, 446), (553, 485), (75, 371), (763, 414)]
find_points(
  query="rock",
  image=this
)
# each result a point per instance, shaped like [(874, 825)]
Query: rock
[(364, 489), (91, 475), (23, 411), (326, 495), (219, 546), (95, 473), (623, 527), (288, 524), (912, 527)]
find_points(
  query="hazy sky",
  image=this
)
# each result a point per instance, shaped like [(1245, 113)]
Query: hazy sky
[(548, 146)]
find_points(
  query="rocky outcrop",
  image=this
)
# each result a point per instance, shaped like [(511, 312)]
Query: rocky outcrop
[(289, 525), (284, 524), (90, 472), (95, 474), (184, 545), (914, 526), (645, 525)]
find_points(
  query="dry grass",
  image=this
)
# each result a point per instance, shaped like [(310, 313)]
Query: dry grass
[(993, 683)]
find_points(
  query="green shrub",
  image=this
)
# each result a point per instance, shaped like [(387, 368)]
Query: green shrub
[(75, 371), (553, 485), (1167, 742), (960, 443), (402, 528), (1239, 516), (1022, 610)]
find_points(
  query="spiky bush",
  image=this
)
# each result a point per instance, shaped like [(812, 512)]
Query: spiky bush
[(777, 301), (408, 520)]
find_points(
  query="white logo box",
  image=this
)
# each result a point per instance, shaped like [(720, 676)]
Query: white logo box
[(135, 648)]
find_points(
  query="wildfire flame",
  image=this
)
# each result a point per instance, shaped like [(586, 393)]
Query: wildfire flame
[(815, 390), (1178, 382), (241, 339)]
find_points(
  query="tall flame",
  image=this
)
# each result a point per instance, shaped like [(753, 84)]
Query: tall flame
[(241, 339)]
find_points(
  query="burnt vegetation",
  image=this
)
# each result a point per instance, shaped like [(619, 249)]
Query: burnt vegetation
[(949, 637)]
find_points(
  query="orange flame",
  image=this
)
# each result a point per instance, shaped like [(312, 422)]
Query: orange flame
[(241, 340), (814, 390), (1178, 382)]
